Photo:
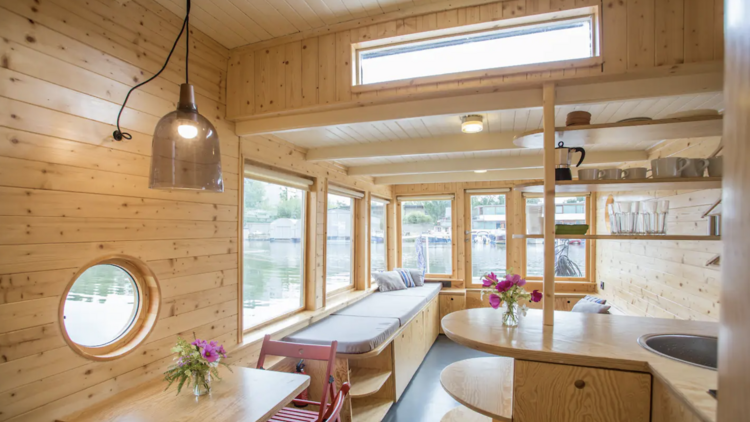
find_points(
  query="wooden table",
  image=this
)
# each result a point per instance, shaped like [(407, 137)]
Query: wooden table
[(248, 395)]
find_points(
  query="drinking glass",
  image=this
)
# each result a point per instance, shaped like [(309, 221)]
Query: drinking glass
[(628, 211), (614, 225), (648, 216), (662, 209)]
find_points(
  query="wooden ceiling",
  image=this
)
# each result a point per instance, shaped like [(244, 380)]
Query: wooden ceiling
[(506, 121), (234, 23)]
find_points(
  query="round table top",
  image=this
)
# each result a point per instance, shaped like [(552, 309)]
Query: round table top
[(484, 385)]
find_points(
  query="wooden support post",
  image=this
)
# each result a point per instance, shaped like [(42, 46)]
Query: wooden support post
[(241, 245), (549, 203)]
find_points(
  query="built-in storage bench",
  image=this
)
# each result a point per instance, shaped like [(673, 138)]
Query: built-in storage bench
[(383, 340)]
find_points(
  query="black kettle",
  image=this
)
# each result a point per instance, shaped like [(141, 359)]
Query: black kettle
[(563, 156)]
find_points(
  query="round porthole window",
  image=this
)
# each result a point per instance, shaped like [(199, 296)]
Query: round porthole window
[(109, 307)]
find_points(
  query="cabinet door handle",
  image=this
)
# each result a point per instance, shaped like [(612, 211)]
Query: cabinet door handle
[(580, 384)]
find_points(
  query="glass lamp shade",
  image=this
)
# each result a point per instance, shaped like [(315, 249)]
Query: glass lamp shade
[(185, 152)]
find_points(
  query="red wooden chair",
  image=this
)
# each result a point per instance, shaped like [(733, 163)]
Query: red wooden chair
[(329, 412)]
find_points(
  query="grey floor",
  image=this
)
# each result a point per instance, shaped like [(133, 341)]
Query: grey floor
[(424, 399)]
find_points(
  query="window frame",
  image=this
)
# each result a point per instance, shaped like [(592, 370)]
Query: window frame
[(469, 276), (588, 12), (143, 322), (590, 261), (454, 247), (270, 176), (355, 227), (385, 203)]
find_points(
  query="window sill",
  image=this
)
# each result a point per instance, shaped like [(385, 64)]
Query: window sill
[(303, 319)]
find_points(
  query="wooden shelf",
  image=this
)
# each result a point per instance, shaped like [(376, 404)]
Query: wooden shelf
[(582, 186), (619, 237), (484, 385), (366, 381), (650, 130), (464, 414), (370, 409)]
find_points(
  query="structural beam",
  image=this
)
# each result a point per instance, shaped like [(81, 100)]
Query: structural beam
[(341, 114), (490, 176), (489, 163), (477, 142), (654, 82)]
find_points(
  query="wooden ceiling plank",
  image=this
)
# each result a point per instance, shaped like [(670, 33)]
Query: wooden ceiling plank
[(419, 146), (497, 175)]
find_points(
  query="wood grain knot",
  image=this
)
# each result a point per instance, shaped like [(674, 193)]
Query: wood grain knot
[(580, 384)]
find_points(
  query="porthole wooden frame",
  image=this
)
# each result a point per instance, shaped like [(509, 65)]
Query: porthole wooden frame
[(149, 299)]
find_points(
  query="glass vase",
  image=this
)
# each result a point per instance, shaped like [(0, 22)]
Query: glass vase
[(510, 314), (201, 383)]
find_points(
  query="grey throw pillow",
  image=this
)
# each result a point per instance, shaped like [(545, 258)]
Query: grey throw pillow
[(587, 307), (595, 299), (418, 277), (388, 281)]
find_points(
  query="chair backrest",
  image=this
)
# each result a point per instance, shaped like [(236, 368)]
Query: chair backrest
[(308, 352)]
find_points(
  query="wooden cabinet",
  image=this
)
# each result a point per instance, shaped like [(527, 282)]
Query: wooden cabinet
[(408, 349), (545, 392), (450, 303), (666, 407), (431, 323)]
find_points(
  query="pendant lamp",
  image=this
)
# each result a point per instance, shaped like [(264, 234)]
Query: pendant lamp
[(185, 151)]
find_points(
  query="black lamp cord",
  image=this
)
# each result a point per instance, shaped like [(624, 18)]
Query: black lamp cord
[(118, 134)]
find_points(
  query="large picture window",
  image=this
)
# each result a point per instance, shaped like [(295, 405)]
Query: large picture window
[(273, 233), (532, 43), (488, 226), (378, 236), (339, 243), (427, 234), (571, 255)]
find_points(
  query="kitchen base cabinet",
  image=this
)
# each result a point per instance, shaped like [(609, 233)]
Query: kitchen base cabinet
[(666, 407), (544, 392)]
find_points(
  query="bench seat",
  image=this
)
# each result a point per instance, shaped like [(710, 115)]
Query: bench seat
[(354, 334), (367, 324), (379, 305)]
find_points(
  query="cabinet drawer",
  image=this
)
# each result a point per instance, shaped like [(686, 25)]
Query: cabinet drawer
[(545, 392)]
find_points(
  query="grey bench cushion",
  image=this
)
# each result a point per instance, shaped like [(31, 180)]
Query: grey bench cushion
[(354, 334), (380, 305), (427, 292)]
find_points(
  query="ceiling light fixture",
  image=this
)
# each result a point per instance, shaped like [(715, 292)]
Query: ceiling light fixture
[(472, 124), (480, 171), (185, 151)]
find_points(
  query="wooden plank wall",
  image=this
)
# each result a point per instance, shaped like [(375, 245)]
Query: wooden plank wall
[(70, 194), (659, 278), (301, 74)]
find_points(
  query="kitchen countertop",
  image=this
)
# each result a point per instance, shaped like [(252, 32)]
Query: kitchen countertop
[(594, 340)]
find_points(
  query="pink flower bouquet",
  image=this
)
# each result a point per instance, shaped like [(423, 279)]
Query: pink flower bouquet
[(508, 291), (195, 362)]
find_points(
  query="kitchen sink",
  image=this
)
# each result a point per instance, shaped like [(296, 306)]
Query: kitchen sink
[(691, 349)]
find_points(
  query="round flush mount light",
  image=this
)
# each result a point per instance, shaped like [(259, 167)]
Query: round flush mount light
[(480, 171), (472, 124)]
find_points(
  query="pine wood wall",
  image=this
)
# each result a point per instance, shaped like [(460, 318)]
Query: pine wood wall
[(300, 73), (69, 194), (664, 279)]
